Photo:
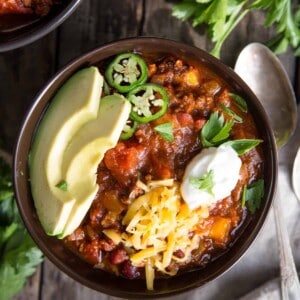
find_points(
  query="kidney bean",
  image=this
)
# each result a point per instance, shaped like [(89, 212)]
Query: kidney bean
[(106, 245), (179, 253), (128, 270), (118, 256)]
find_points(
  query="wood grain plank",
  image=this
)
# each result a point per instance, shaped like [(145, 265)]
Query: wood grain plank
[(57, 285), (98, 22), (159, 22), (22, 73)]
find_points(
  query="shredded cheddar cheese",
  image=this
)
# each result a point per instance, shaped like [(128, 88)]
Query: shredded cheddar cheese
[(157, 224)]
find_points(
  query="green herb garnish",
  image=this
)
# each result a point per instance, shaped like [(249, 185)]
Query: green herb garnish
[(244, 145), (19, 256), (62, 185), (232, 114), (204, 182), (239, 102), (243, 201), (165, 130), (215, 131), (252, 195), (222, 16)]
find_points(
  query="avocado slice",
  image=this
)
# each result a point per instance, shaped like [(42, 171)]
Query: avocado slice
[(75, 103), (85, 152)]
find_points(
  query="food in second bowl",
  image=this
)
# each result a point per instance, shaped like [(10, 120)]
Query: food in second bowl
[(174, 190), (38, 7)]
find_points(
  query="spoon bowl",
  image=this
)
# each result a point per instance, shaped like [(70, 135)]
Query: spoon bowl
[(264, 74)]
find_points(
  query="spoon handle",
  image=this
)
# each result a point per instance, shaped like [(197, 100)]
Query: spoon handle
[(290, 286)]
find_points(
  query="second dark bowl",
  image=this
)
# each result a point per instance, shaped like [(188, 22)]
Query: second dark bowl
[(20, 30)]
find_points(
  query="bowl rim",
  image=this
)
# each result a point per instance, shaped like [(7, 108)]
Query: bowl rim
[(42, 30), (20, 162)]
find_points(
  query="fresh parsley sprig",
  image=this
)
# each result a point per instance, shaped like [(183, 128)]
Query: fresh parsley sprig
[(19, 256), (232, 114), (242, 146), (239, 102), (280, 14), (215, 131), (221, 17), (253, 194)]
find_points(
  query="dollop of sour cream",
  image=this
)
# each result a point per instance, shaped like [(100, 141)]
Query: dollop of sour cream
[(222, 164)]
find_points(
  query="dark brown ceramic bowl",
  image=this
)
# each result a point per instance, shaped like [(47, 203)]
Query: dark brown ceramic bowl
[(20, 30), (100, 280)]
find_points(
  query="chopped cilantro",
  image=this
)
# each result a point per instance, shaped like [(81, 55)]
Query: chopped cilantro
[(239, 102), (19, 256), (232, 114), (166, 131), (252, 195), (215, 131), (204, 182), (244, 145)]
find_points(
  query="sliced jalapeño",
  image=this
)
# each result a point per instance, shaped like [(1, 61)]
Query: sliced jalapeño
[(129, 129), (126, 71), (149, 102)]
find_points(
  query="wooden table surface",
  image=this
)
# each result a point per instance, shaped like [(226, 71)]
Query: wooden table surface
[(24, 71)]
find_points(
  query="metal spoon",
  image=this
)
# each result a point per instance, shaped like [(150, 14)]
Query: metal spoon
[(264, 74), (296, 175)]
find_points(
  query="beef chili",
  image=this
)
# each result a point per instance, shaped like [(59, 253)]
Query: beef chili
[(139, 225)]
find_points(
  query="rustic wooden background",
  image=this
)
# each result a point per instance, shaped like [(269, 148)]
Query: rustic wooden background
[(24, 71)]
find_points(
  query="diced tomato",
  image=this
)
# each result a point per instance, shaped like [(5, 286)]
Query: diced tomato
[(151, 69), (185, 120), (123, 162), (198, 124), (92, 252)]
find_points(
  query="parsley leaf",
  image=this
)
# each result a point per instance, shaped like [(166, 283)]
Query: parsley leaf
[(280, 14), (19, 256), (239, 102), (253, 195), (232, 114), (204, 182), (242, 146), (215, 131), (19, 263), (222, 16), (166, 131)]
